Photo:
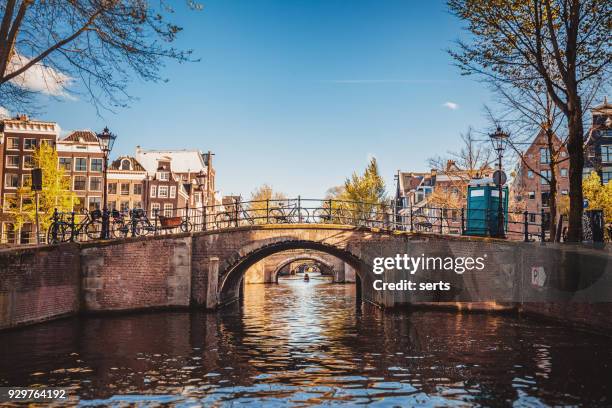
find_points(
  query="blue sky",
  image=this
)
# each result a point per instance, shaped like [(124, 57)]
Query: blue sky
[(299, 94)]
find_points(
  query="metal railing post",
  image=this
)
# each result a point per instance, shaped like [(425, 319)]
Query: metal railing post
[(300, 209), (411, 216), (526, 226), (462, 221), (542, 229), (204, 218), (441, 221), (72, 226), (236, 212), (330, 210), (267, 210), (156, 216)]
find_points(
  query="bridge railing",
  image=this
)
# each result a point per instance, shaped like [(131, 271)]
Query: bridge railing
[(234, 213)]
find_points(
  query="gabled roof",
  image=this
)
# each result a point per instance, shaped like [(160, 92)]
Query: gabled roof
[(181, 161), (135, 165), (86, 136)]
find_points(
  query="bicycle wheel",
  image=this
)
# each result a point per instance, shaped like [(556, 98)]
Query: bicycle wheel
[(186, 226), (58, 233), (223, 220), (277, 216), (321, 216), (141, 228), (93, 229), (119, 229)]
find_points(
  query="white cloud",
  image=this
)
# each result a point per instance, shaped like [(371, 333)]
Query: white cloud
[(451, 105), (4, 113), (40, 78)]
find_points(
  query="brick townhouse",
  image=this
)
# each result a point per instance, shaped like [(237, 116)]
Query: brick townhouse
[(126, 179), (19, 138), (598, 149), (176, 179), (529, 191), (80, 155)]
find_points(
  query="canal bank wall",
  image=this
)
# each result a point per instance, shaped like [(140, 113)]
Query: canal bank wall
[(565, 283)]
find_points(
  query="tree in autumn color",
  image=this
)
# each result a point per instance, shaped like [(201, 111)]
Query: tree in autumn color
[(55, 192), (565, 44)]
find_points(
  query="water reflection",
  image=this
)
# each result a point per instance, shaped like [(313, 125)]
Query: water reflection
[(303, 343)]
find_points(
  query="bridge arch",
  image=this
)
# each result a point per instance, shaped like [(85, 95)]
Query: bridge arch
[(231, 277), (301, 257)]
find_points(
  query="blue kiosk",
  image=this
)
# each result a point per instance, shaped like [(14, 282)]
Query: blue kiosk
[(482, 207)]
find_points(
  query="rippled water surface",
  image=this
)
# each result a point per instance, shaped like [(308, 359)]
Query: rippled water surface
[(300, 343)]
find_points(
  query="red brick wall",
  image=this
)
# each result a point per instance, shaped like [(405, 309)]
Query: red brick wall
[(136, 273), (38, 284)]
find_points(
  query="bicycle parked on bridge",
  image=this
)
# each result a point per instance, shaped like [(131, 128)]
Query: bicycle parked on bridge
[(64, 228)]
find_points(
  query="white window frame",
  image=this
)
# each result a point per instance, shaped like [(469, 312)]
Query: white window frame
[(168, 210), (163, 175), (74, 179), (89, 200), (91, 160), (172, 191), (101, 183), (7, 161), (8, 144), (120, 189), (6, 178), (153, 192), (24, 143), (155, 206), (24, 177), (74, 163), (563, 172), (5, 208), (23, 164), (164, 189), (61, 166), (134, 189)]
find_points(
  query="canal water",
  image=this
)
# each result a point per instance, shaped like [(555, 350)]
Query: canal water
[(306, 343)]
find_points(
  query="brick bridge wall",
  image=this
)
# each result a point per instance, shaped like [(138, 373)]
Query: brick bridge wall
[(205, 269), (38, 284), (150, 272)]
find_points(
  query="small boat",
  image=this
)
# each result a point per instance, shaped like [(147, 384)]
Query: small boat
[(306, 277)]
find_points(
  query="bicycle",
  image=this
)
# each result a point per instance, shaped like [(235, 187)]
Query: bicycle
[(65, 231)]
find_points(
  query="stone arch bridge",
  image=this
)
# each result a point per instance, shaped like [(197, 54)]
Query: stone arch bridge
[(207, 269)]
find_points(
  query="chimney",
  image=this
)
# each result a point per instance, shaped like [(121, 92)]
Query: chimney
[(23, 117)]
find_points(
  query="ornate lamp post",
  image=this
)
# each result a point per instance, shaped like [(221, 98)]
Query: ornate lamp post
[(499, 139), (106, 139), (201, 178)]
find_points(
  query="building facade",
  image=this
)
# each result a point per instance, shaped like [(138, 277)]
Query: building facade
[(125, 186), (530, 190), (19, 138), (598, 150), (82, 159), (177, 181)]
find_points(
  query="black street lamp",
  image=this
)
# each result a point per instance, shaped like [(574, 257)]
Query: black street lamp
[(106, 139), (499, 139)]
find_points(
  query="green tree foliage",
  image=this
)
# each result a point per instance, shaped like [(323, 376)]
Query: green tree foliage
[(599, 196), (263, 199), (55, 192), (363, 197)]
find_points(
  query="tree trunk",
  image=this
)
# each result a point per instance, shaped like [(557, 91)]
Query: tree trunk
[(552, 198), (575, 147)]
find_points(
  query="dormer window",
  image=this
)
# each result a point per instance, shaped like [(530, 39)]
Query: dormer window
[(163, 176), (126, 165)]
